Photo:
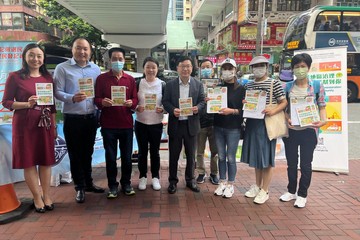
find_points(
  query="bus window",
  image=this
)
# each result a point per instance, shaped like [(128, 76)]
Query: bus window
[(328, 21), (351, 21)]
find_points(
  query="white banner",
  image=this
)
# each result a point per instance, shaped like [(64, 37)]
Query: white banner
[(330, 66)]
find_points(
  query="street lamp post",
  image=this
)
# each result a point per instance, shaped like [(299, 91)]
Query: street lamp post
[(260, 27)]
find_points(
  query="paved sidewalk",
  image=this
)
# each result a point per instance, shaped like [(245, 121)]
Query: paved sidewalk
[(332, 212)]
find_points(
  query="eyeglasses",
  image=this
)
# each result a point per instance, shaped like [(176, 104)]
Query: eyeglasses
[(185, 66)]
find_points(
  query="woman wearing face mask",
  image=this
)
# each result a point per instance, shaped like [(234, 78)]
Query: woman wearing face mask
[(305, 137), (257, 150), (227, 125)]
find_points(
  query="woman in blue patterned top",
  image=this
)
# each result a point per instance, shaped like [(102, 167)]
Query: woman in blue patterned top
[(303, 137)]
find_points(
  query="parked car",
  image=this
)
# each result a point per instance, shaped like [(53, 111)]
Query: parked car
[(169, 75)]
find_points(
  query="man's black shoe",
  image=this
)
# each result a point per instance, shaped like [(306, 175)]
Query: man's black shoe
[(172, 188), (94, 189), (193, 187), (80, 196)]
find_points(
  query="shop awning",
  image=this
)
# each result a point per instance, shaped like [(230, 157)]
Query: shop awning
[(180, 36)]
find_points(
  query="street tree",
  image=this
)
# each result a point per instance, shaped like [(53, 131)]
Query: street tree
[(73, 26)]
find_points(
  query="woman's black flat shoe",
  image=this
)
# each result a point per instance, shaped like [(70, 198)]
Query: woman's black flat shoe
[(39, 210), (49, 207)]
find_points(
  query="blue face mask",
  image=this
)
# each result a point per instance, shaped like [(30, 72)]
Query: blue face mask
[(117, 66), (206, 72)]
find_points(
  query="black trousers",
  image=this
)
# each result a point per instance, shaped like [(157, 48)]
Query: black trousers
[(112, 138), (175, 145), (303, 141), (148, 135), (80, 132)]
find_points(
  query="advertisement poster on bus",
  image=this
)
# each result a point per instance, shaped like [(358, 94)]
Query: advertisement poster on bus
[(329, 65), (350, 39)]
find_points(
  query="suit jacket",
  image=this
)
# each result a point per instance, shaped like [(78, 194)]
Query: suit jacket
[(170, 101)]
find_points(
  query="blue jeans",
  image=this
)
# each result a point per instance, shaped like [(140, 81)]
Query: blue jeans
[(111, 137), (227, 141)]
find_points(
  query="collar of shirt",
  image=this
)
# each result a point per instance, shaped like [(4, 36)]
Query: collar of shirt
[(73, 62), (181, 83), (112, 73)]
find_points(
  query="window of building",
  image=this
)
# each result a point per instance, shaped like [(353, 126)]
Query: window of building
[(293, 5), (6, 21), (33, 24), (350, 3), (10, 2), (253, 5), (229, 8), (18, 21)]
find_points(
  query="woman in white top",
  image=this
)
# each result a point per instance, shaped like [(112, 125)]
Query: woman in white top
[(148, 123)]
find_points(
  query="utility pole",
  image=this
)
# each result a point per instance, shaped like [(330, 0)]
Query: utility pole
[(260, 27)]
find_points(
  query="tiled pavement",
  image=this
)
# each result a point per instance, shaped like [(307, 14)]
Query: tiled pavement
[(332, 212)]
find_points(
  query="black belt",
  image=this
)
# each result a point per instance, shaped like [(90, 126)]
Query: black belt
[(78, 116)]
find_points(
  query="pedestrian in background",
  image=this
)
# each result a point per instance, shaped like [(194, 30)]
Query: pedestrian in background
[(80, 122), (116, 121), (303, 138), (257, 150), (183, 130), (227, 128), (206, 133), (148, 123), (33, 126)]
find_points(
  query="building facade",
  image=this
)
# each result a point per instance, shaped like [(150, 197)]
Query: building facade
[(231, 25), (180, 10), (24, 20)]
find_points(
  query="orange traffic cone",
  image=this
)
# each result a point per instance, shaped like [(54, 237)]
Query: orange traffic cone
[(8, 199)]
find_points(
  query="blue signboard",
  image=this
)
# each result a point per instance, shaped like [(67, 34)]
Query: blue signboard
[(351, 40)]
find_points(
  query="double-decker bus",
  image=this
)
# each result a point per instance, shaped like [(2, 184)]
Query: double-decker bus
[(327, 26)]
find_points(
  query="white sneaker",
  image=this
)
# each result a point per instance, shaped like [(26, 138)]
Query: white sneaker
[(229, 191), (300, 202), (220, 189), (156, 184), (142, 183), (253, 191), (286, 197), (262, 197)]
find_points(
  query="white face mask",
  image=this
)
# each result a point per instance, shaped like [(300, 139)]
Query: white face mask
[(228, 75), (259, 72)]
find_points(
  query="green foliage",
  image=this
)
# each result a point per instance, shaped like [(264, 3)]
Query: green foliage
[(205, 48), (72, 25), (230, 48)]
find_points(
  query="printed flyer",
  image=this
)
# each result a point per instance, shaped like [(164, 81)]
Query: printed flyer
[(255, 104), (209, 83), (118, 95), (307, 114), (150, 102), (298, 103), (44, 92), (185, 105), (86, 85), (218, 99)]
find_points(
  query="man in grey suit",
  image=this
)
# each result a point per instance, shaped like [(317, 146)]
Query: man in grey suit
[(183, 129)]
